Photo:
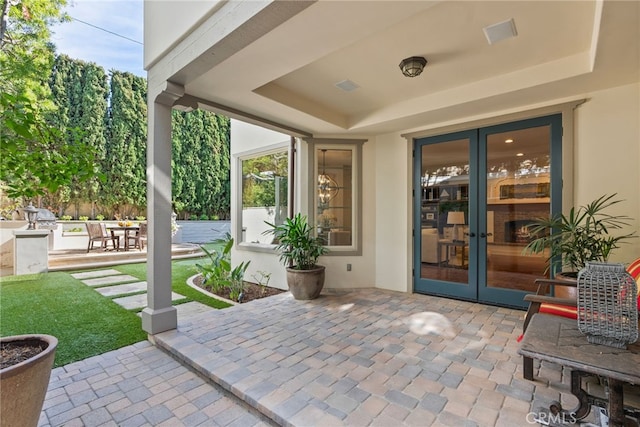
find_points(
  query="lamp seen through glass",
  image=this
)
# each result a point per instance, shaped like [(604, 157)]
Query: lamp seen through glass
[(327, 186)]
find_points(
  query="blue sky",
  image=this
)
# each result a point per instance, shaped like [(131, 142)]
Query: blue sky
[(81, 41)]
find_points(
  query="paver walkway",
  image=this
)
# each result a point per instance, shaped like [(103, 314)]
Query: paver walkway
[(139, 385)]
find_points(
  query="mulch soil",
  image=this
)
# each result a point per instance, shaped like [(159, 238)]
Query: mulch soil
[(15, 352), (252, 291)]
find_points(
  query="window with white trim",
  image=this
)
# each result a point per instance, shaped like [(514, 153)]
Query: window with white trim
[(335, 194), (264, 198)]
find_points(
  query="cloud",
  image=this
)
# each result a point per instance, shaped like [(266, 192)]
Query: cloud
[(87, 43)]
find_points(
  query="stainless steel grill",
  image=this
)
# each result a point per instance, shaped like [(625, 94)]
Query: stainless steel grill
[(46, 220)]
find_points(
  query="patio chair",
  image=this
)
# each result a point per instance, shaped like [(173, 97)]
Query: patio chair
[(137, 240), (142, 234), (541, 302), (98, 233)]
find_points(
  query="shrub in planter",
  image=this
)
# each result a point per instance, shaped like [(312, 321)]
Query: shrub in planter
[(219, 274)]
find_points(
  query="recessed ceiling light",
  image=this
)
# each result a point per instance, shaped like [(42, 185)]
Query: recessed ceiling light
[(347, 85), (508, 141), (520, 154), (500, 31)]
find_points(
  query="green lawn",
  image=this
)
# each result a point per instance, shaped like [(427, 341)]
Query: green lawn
[(85, 322)]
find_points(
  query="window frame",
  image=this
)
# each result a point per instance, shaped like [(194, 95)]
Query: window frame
[(279, 147), (355, 145)]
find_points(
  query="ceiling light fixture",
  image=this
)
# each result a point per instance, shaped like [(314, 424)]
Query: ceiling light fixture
[(412, 67), (508, 141)]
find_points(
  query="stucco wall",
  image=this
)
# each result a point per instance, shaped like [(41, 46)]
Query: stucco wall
[(606, 159), (7, 244), (393, 240), (607, 155)]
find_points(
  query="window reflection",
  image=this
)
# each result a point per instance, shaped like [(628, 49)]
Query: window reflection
[(264, 194), (334, 201)]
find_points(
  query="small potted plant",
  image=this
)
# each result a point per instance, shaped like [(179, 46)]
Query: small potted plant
[(581, 236), (299, 252)]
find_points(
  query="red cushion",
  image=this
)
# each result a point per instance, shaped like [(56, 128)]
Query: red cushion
[(634, 269), (570, 312), (559, 310)]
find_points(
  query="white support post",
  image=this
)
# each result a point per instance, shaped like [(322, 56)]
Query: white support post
[(159, 315)]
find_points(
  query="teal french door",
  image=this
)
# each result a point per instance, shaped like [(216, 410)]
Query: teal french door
[(475, 193)]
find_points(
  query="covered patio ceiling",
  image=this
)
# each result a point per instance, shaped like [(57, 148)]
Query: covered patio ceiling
[(281, 67)]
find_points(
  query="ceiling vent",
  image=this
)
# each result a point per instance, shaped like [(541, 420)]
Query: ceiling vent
[(500, 31), (347, 85)]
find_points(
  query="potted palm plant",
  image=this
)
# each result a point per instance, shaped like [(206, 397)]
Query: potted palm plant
[(299, 252), (578, 237)]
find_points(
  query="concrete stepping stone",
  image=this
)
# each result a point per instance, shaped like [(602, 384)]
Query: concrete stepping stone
[(140, 301), (109, 280), (128, 288), (95, 273)]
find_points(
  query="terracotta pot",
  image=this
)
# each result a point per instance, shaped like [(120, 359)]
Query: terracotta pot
[(566, 291), (23, 386), (305, 284)]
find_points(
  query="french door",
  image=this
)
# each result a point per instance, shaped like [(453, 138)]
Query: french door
[(476, 193)]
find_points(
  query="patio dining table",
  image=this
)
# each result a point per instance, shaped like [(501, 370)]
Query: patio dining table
[(558, 340), (126, 232)]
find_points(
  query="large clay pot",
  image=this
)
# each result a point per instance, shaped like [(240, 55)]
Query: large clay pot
[(305, 284), (23, 386)]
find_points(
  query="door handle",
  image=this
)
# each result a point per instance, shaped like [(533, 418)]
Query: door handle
[(483, 235), (472, 234)]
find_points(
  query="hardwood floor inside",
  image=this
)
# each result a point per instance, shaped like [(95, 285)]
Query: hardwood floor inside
[(497, 279)]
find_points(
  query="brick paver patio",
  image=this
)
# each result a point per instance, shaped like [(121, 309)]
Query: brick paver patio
[(367, 357)]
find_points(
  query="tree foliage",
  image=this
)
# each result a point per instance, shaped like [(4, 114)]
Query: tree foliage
[(125, 161), (35, 156), (80, 92), (260, 177), (200, 163), (62, 123)]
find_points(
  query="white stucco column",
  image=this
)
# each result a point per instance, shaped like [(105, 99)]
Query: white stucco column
[(159, 315), (30, 251)]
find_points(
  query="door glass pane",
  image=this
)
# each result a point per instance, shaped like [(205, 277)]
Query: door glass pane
[(334, 202), (518, 191), (444, 251)]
